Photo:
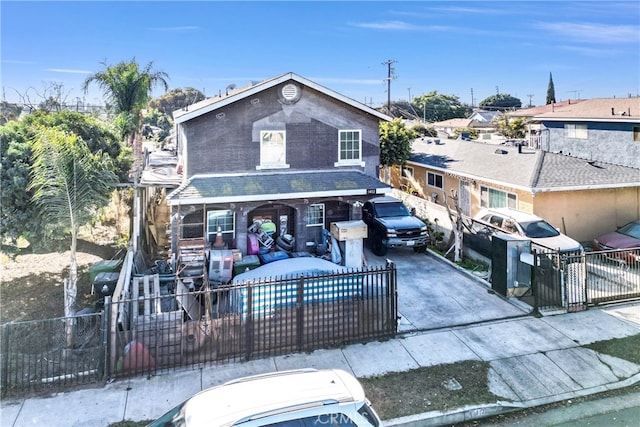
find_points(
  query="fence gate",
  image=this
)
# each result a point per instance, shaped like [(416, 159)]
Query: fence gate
[(546, 282)]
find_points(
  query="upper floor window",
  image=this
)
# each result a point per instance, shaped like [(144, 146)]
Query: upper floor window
[(577, 131), (435, 180), (350, 147), (492, 198), (273, 149)]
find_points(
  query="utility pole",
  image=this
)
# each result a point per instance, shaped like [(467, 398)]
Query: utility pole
[(472, 100), (390, 76), (530, 96)]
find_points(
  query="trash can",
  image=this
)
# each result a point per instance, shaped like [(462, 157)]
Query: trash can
[(96, 268), (104, 285)]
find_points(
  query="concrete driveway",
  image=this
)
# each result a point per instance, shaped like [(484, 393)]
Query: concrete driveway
[(433, 293)]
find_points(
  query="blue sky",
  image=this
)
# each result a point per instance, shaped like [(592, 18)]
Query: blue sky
[(591, 48)]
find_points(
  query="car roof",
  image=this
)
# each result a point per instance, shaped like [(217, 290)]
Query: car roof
[(384, 199), (264, 395), (517, 215)]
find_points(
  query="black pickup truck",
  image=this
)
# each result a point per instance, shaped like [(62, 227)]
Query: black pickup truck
[(390, 224)]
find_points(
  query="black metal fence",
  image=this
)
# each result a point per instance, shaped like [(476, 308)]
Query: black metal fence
[(572, 282), (51, 354), (251, 320)]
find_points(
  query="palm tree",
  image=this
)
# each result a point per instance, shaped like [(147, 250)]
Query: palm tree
[(69, 183), (128, 88)]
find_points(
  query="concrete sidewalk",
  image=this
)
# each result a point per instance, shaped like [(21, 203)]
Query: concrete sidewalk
[(447, 316), (533, 361)]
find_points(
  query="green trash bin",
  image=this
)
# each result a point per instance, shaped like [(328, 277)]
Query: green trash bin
[(105, 266)]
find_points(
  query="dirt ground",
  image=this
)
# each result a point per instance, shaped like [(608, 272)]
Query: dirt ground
[(31, 284)]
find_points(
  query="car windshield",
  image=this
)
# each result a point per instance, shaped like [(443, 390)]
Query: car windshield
[(632, 230), (538, 229), (391, 209)]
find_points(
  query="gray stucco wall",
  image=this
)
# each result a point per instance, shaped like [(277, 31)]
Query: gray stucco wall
[(606, 142)]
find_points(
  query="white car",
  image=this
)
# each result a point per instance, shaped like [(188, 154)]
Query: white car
[(304, 397), (527, 225)]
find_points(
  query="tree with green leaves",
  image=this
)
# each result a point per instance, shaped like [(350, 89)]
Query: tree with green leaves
[(176, 99), (551, 91), (18, 216), (69, 184), (395, 144), (436, 107), (128, 88), (9, 111), (500, 102), (510, 127)]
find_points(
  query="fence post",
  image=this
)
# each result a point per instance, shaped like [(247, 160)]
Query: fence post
[(249, 322), (106, 333), (392, 297), (4, 336), (534, 283), (300, 314)]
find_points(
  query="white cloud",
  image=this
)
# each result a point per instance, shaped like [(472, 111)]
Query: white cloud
[(591, 33), (68, 71)]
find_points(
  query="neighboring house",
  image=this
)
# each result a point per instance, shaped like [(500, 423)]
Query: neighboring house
[(479, 120), (582, 198), (532, 137), (602, 129), (286, 150)]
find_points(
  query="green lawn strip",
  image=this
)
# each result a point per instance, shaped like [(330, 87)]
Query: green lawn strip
[(427, 389), (627, 348)]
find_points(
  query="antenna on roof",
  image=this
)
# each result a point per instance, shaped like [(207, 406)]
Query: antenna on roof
[(232, 86)]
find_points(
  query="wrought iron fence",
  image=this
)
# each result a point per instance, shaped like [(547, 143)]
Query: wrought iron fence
[(612, 275), (573, 281), (269, 317), (51, 354)]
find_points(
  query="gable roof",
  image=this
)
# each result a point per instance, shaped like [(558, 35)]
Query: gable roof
[(483, 116), (541, 109), (211, 104), (232, 188), (597, 109), (531, 170)]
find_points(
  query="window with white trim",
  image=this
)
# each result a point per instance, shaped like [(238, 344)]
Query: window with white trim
[(315, 221), (492, 198), (407, 172), (435, 180), (223, 218), (350, 146), (273, 149), (575, 130)]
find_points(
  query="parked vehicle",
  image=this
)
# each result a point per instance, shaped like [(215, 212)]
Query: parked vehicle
[(625, 237), (536, 229), (390, 224), (305, 397)]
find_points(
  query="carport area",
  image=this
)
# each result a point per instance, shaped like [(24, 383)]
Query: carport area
[(433, 294)]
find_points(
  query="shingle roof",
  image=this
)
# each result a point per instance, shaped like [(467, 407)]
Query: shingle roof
[(557, 170), (532, 170), (541, 109), (478, 160), (272, 186), (211, 104), (597, 109)]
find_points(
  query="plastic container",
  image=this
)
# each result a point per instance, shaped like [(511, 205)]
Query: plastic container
[(96, 268)]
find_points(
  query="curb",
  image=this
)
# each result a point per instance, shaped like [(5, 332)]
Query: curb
[(474, 412)]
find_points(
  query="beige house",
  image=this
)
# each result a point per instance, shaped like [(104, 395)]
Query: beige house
[(582, 198)]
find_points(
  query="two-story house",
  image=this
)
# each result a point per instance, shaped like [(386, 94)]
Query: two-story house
[(599, 129), (285, 150)]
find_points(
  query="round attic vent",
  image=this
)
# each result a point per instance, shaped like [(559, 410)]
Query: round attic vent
[(290, 92)]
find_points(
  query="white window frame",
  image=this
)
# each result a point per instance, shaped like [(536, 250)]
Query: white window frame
[(211, 234), (511, 199), (435, 176), (316, 224), (266, 160), (576, 130), (408, 169), (349, 162)]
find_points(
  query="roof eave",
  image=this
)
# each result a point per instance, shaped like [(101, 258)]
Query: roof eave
[(267, 84)]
